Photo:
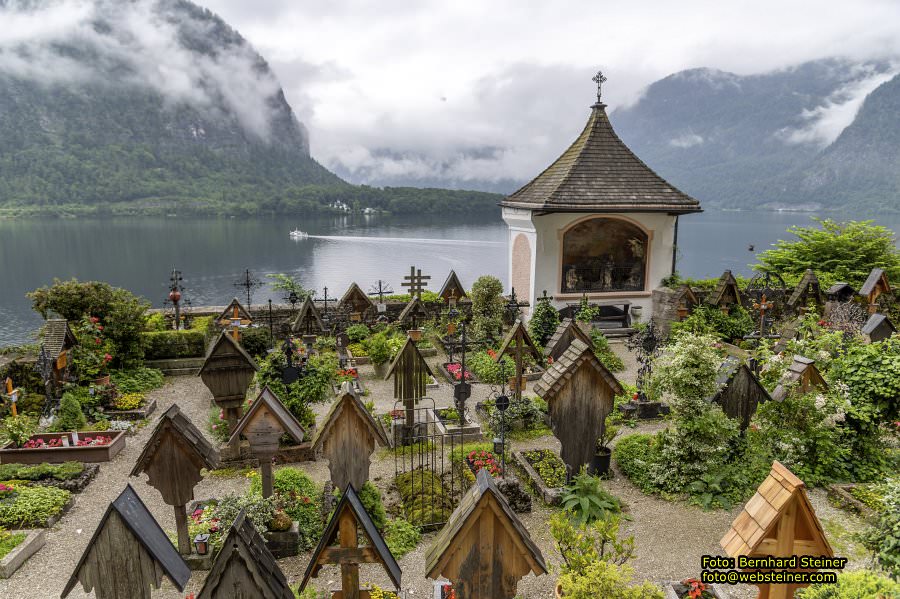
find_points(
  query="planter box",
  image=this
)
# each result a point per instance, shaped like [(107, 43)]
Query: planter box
[(289, 454), (139, 414), (534, 376), (357, 359), (30, 545), (672, 588), (74, 485), (284, 543), (551, 496), (57, 455), (471, 432), (841, 495), (450, 378), (433, 384)]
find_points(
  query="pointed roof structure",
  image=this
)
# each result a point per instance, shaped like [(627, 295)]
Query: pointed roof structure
[(504, 553), (840, 292), (686, 297), (227, 369), (567, 331), (347, 438), (599, 173), (738, 391), (408, 369), (58, 337), (376, 552), (308, 318), (556, 374), (356, 299), (779, 512), (788, 334), (234, 311), (802, 373), (518, 334), (807, 289), (452, 286), (726, 292), (876, 284), (128, 554), (878, 327), (267, 407), (245, 567), (415, 308)]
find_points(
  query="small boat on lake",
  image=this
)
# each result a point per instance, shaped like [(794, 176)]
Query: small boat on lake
[(298, 234)]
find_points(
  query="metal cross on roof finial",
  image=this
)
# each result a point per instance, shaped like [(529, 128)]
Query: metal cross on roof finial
[(599, 79)]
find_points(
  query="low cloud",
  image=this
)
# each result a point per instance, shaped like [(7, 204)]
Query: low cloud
[(688, 140)]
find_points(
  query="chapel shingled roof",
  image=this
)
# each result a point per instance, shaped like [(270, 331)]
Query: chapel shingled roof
[(598, 173)]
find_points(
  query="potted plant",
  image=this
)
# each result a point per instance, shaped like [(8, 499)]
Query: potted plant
[(415, 334), (603, 456)]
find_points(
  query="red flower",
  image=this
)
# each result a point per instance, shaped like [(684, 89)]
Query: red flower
[(94, 319), (97, 340), (99, 327), (107, 358)]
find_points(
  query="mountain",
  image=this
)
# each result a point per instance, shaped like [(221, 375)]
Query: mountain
[(156, 106), (791, 138)]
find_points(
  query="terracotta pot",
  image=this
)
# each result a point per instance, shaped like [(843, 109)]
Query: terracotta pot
[(103, 381), (415, 334)]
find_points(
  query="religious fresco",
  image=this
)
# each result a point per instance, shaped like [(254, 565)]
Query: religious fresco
[(604, 254)]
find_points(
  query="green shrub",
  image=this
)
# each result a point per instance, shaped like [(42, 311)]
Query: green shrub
[(370, 497), (218, 426), (357, 332), (9, 541), (64, 471), (587, 500), (171, 345), (853, 585), (256, 340), (549, 467), (544, 321), (636, 455), (401, 537), (32, 506), (300, 498), (260, 510), (709, 320), (883, 539), (18, 429), (602, 579), (137, 380), (377, 348), (70, 417), (156, 322), (604, 353), (483, 366), (487, 307)]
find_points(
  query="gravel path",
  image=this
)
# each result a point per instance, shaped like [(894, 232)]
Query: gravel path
[(669, 537)]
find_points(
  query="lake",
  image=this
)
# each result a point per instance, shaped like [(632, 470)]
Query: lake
[(139, 253)]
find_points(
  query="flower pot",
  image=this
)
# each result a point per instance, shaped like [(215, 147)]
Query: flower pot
[(636, 311), (415, 334), (600, 462), (103, 381)]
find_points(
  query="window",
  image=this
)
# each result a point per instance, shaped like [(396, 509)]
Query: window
[(603, 254)]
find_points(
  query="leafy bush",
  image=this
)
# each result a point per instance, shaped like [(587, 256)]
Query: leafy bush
[(259, 510), (883, 539), (492, 373), (401, 537), (709, 320), (122, 313), (137, 380), (70, 417), (487, 307), (32, 506), (853, 585), (156, 322), (377, 348), (602, 579), (580, 545), (64, 471), (218, 426), (171, 345), (604, 353), (586, 313), (544, 321), (370, 497), (636, 455), (314, 387), (18, 429), (357, 332), (300, 498), (588, 501), (548, 466), (256, 340), (93, 352), (688, 367)]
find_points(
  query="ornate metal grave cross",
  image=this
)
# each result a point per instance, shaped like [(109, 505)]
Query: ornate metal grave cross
[(325, 299), (380, 289), (416, 281), (249, 283), (646, 343), (599, 79)]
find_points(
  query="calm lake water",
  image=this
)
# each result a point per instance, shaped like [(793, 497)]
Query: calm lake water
[(139, 253)]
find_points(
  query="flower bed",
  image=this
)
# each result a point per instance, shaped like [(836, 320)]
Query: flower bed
[(693, 588), (452, 372), (54, 448), (478, 460), (546, 471), (27, 506), (128, 410), (70, 476)]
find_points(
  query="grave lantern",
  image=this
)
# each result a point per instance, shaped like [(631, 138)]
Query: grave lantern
[(263, 425), (201, 544)]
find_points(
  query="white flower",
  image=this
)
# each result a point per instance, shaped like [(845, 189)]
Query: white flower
[(820, 401), (823, 356)]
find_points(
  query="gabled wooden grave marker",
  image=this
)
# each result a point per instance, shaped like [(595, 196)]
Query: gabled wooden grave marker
[(452, 288), (484, 550), (128, 554), (685, 301), (580, 393), (173, 459), (802, 374), (567, 331), (233, 318), (807, 289), (877, 328), (726, 294), (263, 425), (413, 312), (409, 370), (308, 321), (778, 521), (356, 302), (876, 284), (349, 518), (347, 438), (840, 292), (227, 372), (518, 344), (245, 568), (739, 392)]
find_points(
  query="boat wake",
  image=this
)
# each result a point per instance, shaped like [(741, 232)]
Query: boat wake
[(364, 239)]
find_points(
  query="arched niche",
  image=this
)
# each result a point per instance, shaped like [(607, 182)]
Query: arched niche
[(603, 254), (521, 266)]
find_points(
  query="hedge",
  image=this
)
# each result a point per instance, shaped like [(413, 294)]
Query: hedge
[(163, 345)]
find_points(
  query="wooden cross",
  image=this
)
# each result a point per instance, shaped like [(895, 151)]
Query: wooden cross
[(415, 280), (523, 345)]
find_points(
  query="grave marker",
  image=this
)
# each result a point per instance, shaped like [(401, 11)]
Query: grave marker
[(416, 281), (802, 374), (739, 391), (567, 331), (308, 320), (409, 370), (876, 284), (452, 288), (227, 372), (807, 289), (726, 294)]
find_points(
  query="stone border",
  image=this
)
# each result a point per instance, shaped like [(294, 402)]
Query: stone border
[(358, 360), (470, 434), (139, 414), (841, 495), (718, 590), (550, 496), (73, 485), (31, 544)]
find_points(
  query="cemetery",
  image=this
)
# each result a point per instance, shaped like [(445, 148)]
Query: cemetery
[(590, 429)]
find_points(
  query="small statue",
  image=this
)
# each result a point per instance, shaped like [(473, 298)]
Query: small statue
[(572, 280), (606, 272)]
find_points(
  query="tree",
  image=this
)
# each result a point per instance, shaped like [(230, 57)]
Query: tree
[(289, 284), (838, 251), (543, 321), (487, 306)]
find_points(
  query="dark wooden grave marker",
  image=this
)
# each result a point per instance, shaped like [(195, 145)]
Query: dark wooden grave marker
[(413, 313), (245, 568), (518, 344), (876, 284), (347, 438), (484, 550), (409, 370), (567, 331), (308, 321), (452, 288), (227, 372), (349, 518), (173, 459), (739, 391), (802, 374), (878, 328), (128, 554), (263, 425), (808, 289), (726, 294), (356, 303), (685, 301)]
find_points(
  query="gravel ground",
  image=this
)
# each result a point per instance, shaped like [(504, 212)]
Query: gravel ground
[(670, 537)]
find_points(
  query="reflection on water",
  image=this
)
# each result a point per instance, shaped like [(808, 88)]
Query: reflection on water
[(139, 253)]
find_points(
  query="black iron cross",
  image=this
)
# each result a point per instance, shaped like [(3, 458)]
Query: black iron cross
[(599, 79), (324, 299), (249, 283), (175, 294), (415, 280), (380, 289)]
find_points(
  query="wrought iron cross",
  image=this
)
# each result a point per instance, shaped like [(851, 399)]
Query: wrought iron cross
[(249, 283), (324, 299), (415, 280), (599, 79), (380, 289)]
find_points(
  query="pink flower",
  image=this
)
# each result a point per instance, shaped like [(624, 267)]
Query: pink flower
[(215, 426), (94, 319)]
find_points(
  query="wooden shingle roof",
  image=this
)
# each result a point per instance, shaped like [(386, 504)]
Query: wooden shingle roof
[(685, 296), (348, 400), (518, 334), (754, 531), (308, 314), (727, 371), (558, 373), (562, 337), (839, 287), (194, 441), (788, 334), (267, 400), (356, 299), (452, 286), (795, 373), (57, 337), (598, 173), (879, 324), (726, 282), (415, 307), (228, 313), (875, 278), (808, 287), (245, 567)]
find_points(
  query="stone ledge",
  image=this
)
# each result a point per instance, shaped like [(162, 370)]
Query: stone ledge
[(34, 540)]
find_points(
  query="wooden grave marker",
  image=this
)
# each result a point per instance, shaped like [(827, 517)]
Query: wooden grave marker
[(416, 281), (245, 568), (788, 334), (347, 438), (580, 393), (413, 312), (726, 294), (778, 521), (308, 321), (452, 288), (840, 292), (807, 289), (233, 318), (876, 284), (518, 344), (349, 518), (409, 370), (567, 331), (803, 375), (739, 391), (484, 550), (356, 303), (227, 372), (128, 554), (173, 458), (877, 328), (263, 425), (685, 301)]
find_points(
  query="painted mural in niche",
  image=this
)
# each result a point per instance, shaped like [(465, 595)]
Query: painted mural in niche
[(602, 255), (521, 266)]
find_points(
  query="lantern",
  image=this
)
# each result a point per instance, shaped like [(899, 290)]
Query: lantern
[(451, 327), (201, 544), (498, 446)]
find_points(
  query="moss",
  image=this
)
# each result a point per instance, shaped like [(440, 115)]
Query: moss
[(425, 499)]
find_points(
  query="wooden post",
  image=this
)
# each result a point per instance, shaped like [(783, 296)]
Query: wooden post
[(265, 468), (181, 524), (349, 571)]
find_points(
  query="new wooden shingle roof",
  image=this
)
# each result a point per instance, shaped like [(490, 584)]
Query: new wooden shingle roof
[(598, 173), (795, 373), (57, 336), (228, 313), (558, 373), (875, 277), (308, 312)]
